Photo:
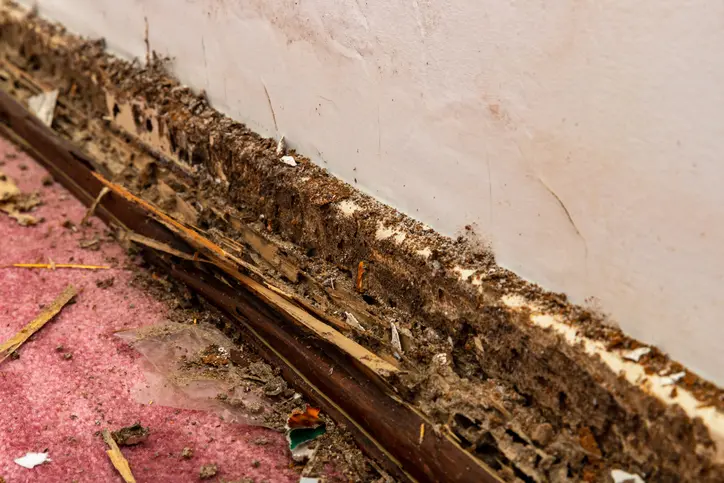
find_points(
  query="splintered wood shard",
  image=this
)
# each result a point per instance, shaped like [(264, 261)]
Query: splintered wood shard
[(36, 324), (157, 245), (120, 463), (53, 266)]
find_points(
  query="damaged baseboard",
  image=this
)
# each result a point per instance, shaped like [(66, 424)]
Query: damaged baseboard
[(538, 389)]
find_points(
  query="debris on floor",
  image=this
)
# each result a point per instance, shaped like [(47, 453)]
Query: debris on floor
[(187, 453), (620, 476), (352, 320), (281, 147), (288, 160), (190, 366), (53, 266), (395, 340), (130, 435), (31, 460), (92, 208), (303, 427), (43, 106), (673, 378), (11, 346), (117, 458), (16, 203), (105, 283), (208, 471), (636, 354)]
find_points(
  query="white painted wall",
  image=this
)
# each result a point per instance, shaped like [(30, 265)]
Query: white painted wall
[(497, 113)]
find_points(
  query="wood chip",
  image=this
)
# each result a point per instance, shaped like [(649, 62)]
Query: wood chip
[(117, 458), (43, 106), (93, 206), (14, 343), (422, 433), (360, 276), (53, 266), (266, 249), (162, 247), (352, 320), (396, 343)]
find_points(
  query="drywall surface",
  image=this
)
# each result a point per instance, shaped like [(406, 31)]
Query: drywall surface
[(582, 139)]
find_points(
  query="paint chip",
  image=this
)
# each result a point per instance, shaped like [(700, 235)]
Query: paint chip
[(281, 147), (352, 320), (396, 344), (31, 460), (620, 476), (636, 354), (672, 379), (43, 106), (288, 160)]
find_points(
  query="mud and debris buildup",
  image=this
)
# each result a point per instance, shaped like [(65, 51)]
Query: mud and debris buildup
[(130, 435), (522, 397)]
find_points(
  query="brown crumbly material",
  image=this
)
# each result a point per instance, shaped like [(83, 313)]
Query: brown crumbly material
[(530, 405), (208, 471), (130, 435)]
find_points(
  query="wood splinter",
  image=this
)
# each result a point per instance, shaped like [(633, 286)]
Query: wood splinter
[(14, 343), (53, 266), (92, 208), (117, 458)]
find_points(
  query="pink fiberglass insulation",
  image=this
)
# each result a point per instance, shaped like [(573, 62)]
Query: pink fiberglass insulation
[(58, 404)]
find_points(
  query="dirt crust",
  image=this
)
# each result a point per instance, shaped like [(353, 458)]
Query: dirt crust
[(518, 396)]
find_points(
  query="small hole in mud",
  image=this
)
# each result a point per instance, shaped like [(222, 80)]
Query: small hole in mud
[(464, 421), (137, 116), (33, 62), (238, 311), (562, 401), (516, 437), (340, 244), (116, 110), (440, 294), (149, 125), (311, 252), (199, 155), (369, 299)]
